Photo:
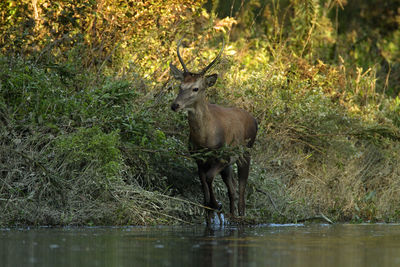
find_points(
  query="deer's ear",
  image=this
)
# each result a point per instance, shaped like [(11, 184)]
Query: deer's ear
[(211, 79), (176, 72)]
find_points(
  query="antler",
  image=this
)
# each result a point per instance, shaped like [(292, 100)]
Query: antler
[(215, 60), (179, 56)]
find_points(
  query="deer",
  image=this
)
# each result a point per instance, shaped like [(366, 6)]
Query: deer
[(212, 127)]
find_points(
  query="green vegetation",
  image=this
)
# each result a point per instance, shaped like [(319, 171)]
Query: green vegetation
[(87, 135)]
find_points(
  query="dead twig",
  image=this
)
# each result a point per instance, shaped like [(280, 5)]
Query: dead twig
[(271, 200)]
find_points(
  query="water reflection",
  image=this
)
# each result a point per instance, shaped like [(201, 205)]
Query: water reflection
[(269, 245)]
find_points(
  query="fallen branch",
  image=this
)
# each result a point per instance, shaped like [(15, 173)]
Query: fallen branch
[(317, 217)]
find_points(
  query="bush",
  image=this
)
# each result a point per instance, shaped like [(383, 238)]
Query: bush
[(87, 135)]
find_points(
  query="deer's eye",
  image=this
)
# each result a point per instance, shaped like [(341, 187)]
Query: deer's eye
[(195, 89)]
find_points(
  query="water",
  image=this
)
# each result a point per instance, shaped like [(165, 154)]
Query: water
[(268, 245)]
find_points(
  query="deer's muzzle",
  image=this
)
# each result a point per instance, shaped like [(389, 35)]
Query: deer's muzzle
[(175, 107)]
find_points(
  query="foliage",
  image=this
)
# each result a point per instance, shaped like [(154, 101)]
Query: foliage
[(87, 135), (82, 156)]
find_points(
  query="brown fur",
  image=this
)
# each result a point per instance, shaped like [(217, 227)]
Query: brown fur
[(211, 127), (190, 77)]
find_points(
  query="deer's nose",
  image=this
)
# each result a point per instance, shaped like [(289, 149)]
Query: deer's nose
[(175, 106)]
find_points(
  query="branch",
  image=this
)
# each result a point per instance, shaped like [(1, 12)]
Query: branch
[(271, 200)]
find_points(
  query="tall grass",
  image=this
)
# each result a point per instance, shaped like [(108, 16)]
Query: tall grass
[(93, 141)]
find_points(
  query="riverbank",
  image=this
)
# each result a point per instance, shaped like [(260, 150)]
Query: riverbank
[(87, 136)]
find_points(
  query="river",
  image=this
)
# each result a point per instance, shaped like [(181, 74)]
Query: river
[(262, 245)]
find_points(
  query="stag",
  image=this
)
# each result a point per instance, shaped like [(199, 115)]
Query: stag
[(213, 127)]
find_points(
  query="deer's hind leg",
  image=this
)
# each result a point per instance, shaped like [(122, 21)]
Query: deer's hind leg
[(243, 173)]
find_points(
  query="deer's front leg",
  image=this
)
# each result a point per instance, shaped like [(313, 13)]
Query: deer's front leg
[(207, 175), (227, 176), (206, 192)]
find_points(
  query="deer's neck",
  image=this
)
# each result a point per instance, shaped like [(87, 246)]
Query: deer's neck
[(200, 123), (199, 116)]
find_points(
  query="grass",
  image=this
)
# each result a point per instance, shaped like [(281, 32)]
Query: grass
[(82, 156), (326, 144), (100, 146)]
